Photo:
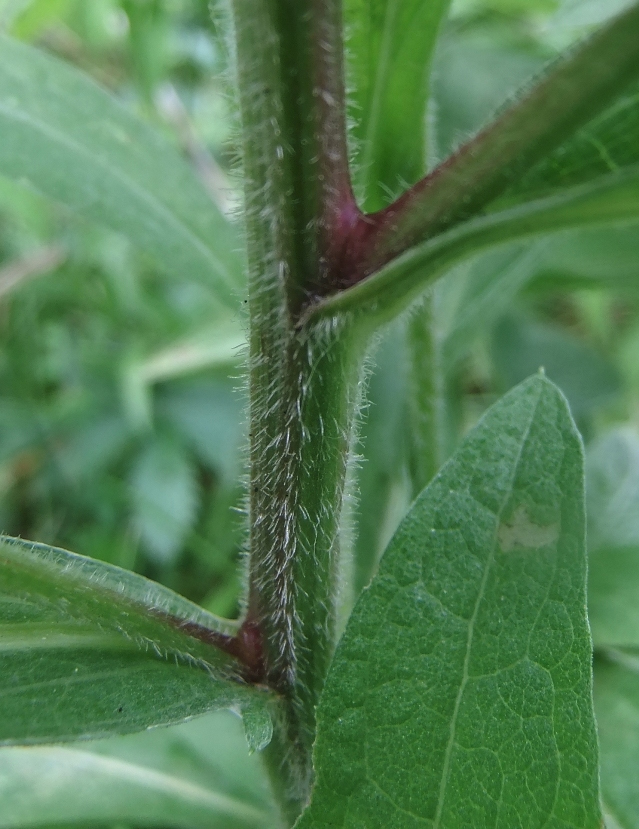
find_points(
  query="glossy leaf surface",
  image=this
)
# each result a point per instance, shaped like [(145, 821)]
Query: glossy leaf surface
[(460, 693), (70, 140), (88, 649)]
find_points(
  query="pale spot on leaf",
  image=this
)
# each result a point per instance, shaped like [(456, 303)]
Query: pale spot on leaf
[(520, 531)]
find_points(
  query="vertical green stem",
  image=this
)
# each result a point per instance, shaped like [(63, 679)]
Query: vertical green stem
[(302, 383), (426, 395)]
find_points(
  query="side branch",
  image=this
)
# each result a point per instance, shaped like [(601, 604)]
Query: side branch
[(575, 89)]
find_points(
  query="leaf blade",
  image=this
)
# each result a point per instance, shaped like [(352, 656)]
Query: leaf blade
[(73, 142), (88, 649), (194, 774), (429, 676)]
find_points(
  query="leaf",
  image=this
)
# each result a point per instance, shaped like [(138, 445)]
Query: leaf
[(390, 44), (473, 296), (70, 140), (607, 144), (460, 692), (574, 90), (196, 774), (88, 650), (617, 706)]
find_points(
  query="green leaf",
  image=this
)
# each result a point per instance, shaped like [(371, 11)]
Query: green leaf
[(617, 706), (70, 140), (477, 292), (575, 90), (607, 144), (460, 692), (88, 649), (196, 774), (389, 50)]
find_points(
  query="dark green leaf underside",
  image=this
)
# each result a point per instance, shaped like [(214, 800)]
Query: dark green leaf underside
[(460, 693), (87, 649)]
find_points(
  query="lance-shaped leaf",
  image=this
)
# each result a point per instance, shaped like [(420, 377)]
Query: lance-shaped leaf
[(70, 140), (196, 774), (460, 692), (88, 649), (390, 46)]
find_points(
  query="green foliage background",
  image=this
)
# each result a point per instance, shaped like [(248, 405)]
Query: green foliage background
[(121, 391)]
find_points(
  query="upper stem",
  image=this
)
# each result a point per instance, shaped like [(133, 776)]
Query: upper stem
[(302, 383)]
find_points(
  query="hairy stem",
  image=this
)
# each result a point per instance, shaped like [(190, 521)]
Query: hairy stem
[(302, 381)]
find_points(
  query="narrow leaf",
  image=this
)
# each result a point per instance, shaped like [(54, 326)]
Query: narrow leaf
[(196, 774), (575, 89), (389, 50), (70, 140), (460, 692), (88, 649)]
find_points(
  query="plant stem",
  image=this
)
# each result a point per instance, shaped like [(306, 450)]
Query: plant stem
[(302, 382)]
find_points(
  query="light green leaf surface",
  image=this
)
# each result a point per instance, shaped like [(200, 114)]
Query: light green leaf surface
[(197, 774), (88, 649), (390, 46), (460, 692), (617, 707), (70, 140)]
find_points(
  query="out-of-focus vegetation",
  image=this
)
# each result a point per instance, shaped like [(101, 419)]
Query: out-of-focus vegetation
[(121, 391)]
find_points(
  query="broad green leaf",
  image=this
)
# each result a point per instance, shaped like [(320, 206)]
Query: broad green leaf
[(88, 649), (197, 774), (390, 46), (460, 692), (617, 707), (70, 140)]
